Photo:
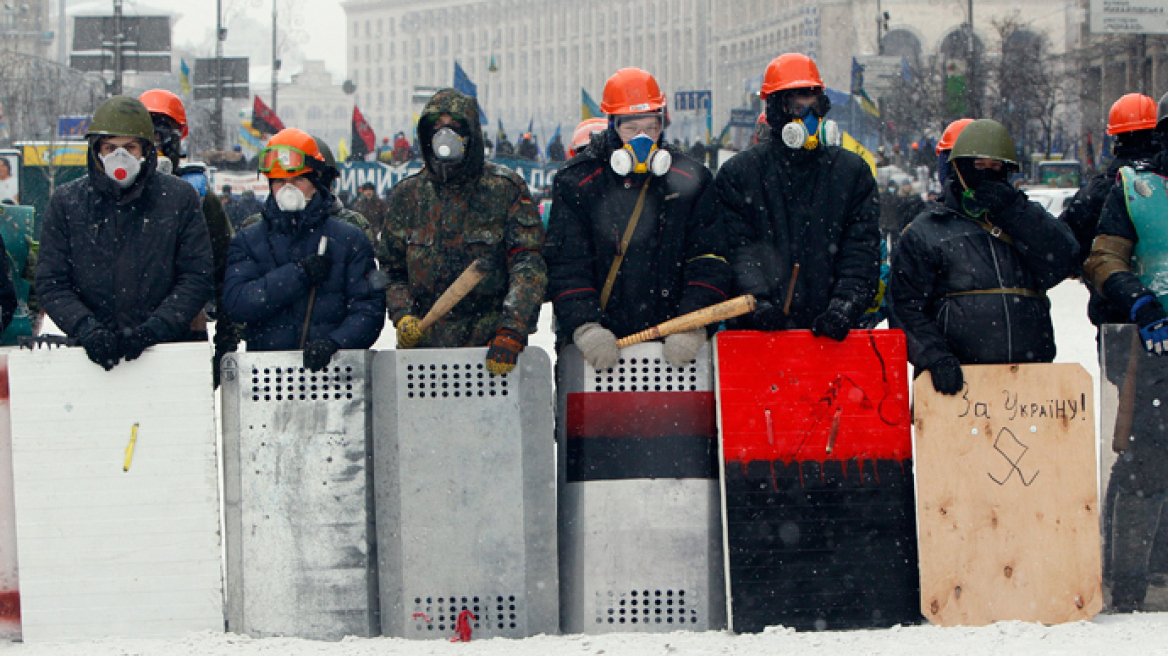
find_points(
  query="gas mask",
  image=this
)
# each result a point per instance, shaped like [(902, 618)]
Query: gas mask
[(640, 156), (449, 147), (809, 130), (290, 199), (121, 167), (165, 166)]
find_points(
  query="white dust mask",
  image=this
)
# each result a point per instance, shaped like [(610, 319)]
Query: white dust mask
[(122, 167), (291, 199)]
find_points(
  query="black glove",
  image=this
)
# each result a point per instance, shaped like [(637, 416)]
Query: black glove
[(947, 377), (137, 340), (767, 315), (995, 196), (835, 322), (316, 268), (100, 345), (318, 353)]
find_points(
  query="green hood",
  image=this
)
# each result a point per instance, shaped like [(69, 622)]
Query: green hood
[(462, 108)]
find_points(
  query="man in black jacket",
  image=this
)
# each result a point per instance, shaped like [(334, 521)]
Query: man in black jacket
[(969, 277), (1126, 267), (125, 256), (634, 236), (802, 215)]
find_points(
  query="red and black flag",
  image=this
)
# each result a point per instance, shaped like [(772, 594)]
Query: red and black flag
[(362, 138), (263, 119)]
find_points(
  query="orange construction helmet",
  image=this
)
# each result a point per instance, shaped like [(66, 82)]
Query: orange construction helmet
[(290, 153), (1135, 111), (584, 132), (949, 137), (161, 101), (791, 71), (631, 91)]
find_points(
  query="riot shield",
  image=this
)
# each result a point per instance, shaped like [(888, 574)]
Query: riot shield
[(817, 478), (1133, 471), (640, 529), (117, 496), (464, 469), (1006, 498), (301, 560)]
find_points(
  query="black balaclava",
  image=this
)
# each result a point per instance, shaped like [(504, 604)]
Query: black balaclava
[(170, 141), (1137, 144)]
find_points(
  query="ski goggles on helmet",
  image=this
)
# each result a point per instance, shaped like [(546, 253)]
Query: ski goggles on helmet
[(285, 161)]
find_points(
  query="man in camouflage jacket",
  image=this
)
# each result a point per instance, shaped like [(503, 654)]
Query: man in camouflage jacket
[(457, 209)]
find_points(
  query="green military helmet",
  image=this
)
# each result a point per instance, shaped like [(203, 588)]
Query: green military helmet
[(985, 138), (122, 116), (331, 172)]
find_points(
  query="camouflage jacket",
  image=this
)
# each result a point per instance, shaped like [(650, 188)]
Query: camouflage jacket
[(440, 222)]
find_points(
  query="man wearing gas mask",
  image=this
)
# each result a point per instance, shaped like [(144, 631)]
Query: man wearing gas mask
[(970, 275), (302, 279), (634, 236), (458, 209), (801, 213), (125, 258), (170, 127)]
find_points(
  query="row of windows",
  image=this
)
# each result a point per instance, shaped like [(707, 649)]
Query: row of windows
[(544, 23)]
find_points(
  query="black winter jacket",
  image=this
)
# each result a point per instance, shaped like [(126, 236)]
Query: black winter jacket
[(265, 288), (125, 258), (944, 255), (1082, 215), (817, 209), (676, 262)]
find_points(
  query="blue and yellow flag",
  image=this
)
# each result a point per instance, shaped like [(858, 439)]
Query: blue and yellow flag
[(184, 78), (588, 107)]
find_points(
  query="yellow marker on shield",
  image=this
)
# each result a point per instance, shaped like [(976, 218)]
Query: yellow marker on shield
[(130, 448)]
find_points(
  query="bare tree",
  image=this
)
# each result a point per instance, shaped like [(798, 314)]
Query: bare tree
[(36, 92), (1027, 89)]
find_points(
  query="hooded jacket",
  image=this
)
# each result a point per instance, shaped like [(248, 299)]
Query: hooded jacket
[(125, 257), (443, 218), (814, 208), (266, 289), (950, 276), (676, 260)]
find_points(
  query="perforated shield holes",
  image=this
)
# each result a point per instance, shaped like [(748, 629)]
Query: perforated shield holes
[(299, 384), (646, 375), (454, 380), (495, 614), (679, 607)]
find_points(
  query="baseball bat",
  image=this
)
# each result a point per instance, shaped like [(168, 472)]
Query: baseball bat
[(466, 281), (734, 307), (321, 248)]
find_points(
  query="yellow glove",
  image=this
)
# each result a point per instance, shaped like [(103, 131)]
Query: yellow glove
[(409, 333)]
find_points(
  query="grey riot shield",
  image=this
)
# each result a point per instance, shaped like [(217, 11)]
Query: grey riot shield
[(301, 560), (1133, 471), (465, 480), (640, 517)]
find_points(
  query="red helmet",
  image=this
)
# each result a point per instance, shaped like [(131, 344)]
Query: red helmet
[(791, 71), (1135, 111), (631, 91), (288, 154), (584, 132), (161, 101), (949, 137)]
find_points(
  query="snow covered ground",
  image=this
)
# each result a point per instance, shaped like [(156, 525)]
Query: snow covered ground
[(1113, 634)]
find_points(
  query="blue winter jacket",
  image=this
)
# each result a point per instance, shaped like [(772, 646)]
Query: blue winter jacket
[(266, 289)]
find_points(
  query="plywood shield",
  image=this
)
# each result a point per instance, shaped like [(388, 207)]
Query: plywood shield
[(1007, 504)]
